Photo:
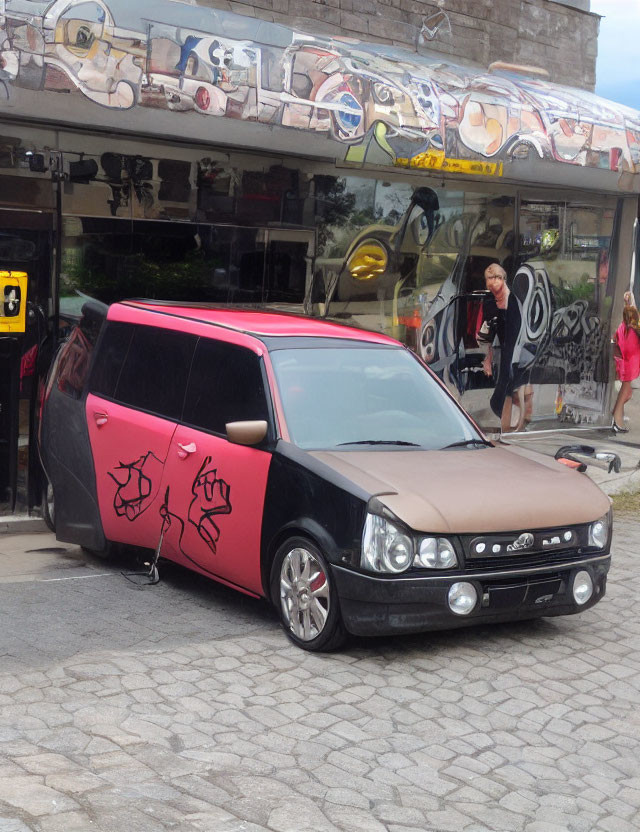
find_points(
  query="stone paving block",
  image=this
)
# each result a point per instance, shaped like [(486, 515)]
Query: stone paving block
[(28, 794), (13, 825)]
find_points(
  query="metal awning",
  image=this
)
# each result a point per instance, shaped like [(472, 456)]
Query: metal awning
[(164, 68)]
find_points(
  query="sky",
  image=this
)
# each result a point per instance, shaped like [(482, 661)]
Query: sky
[(618, 67)]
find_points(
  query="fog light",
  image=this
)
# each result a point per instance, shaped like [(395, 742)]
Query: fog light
[(582, 587), (462, 598)]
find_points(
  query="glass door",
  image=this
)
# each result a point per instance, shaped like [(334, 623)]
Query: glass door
[(25, 246)]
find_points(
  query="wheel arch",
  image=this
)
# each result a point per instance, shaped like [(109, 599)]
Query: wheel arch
[(300, 527)]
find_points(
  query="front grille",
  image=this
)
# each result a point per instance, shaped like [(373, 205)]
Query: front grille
[(526, 560), (526, 548)]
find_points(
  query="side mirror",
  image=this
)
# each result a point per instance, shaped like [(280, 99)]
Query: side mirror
[(246, 433)]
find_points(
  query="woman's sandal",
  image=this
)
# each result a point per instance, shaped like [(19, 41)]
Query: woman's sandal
[(615, 427)]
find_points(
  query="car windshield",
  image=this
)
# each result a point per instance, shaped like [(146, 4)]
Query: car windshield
[(352, 397)]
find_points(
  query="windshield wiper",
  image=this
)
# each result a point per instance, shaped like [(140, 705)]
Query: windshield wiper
[(464, 442), (381, 442)]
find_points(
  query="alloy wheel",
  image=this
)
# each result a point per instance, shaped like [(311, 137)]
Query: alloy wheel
[(304, 594)]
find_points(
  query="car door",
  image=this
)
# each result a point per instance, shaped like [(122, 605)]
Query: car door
[(213, 490), (63, 437), (135, 400)]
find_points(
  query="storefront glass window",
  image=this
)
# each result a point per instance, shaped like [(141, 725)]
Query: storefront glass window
[(110, 260), (567, 246), (419, 276), (385, 255)]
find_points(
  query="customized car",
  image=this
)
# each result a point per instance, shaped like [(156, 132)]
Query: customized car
[(324, 468)]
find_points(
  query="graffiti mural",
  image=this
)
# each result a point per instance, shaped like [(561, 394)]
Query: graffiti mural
[(382, 103)]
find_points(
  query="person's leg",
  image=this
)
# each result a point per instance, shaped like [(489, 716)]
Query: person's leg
[(519, 399), (505, 419), (528, 404), (623, 397)]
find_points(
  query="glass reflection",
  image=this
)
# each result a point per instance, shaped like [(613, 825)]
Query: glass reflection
[(388, 256)]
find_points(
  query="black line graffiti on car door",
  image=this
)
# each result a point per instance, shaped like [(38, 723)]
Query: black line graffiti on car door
[(211, 497), (136, 490)]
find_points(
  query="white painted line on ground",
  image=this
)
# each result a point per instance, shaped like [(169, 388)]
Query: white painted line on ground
[(77, 577)]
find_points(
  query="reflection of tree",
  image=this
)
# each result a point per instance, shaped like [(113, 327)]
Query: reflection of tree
[(333, 206), (564, 295), (168, 271)]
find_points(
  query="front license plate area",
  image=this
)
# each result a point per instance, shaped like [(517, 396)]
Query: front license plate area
[(529, 593), (542, 593), (503, 597)]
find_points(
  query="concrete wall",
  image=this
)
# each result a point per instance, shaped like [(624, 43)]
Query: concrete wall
[(558, 36)]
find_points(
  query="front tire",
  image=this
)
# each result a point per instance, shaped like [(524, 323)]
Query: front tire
[(304, 594)]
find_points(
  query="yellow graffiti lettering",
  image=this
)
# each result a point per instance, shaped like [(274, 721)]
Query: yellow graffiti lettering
[(436, 160)]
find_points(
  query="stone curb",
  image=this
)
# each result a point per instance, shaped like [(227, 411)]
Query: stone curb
[(22, 524), (619, 483)]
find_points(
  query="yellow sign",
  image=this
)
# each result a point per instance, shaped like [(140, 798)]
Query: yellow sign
[(13, 301), (436, 160)]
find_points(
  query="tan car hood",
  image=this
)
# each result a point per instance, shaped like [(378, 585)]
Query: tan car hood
[(472, 490)]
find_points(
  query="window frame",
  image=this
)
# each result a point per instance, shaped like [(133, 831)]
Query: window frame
[(134, 326), (61, 354), (268, 393), (271, 422)]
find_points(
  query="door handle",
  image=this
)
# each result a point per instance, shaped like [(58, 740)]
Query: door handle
[(185, 450), (100, 418)]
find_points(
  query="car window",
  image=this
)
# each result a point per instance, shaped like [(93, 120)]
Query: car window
[(225, 385), (342, 397), (112, 353), (155, 371), (75, 356)]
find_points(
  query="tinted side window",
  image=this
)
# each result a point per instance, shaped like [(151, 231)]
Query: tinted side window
[(155, 371), (112, 353), (75, 356), (225, 386)]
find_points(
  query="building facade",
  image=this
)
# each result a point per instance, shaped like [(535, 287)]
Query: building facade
[(179, 151), (560, 35)]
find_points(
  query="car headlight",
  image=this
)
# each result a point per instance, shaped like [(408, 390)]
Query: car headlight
[(436, 553), (385, 548), (599, 532)]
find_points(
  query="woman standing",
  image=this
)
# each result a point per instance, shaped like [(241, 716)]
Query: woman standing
[(627, 341), (500, 331)]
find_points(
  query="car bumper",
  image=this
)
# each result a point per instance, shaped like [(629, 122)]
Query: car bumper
[(381, 606)]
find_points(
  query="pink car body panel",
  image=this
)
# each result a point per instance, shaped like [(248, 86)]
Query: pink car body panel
[(238, 325), (213, 501), (129, 450)]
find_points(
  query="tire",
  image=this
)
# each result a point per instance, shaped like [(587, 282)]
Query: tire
[(309, 609), (108, 553), (48, 505)]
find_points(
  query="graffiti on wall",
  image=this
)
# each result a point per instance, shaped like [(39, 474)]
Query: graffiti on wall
[(384, 104)]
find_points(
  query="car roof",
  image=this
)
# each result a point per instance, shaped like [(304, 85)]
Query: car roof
[(258, 322)]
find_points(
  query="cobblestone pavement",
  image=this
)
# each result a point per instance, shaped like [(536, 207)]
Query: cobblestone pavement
[(183, 707)]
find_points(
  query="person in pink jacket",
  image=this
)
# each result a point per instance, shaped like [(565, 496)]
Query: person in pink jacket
[(627, 355)]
